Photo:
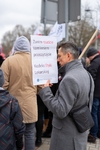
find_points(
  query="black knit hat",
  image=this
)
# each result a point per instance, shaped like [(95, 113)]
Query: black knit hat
[(1, 78), (91, 52)]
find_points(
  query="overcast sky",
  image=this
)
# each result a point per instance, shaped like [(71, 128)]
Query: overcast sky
[(24, 12)]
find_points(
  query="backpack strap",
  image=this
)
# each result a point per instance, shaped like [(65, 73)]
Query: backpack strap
[(90, 100)]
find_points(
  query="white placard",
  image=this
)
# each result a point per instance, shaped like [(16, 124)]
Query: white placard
[(44, 59)]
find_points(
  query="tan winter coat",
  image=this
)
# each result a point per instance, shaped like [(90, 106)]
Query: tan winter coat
[(18, 81)]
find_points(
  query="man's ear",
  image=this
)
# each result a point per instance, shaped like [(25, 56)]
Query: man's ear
[(70, 56)]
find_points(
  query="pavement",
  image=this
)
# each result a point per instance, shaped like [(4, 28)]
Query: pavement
[(90, 146)]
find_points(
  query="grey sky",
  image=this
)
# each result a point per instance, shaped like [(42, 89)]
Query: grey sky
[(24, 12), (13, 12)]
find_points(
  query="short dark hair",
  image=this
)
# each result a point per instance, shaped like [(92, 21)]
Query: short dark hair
[(69, 47)]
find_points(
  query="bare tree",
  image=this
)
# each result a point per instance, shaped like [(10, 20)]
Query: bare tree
[(10, 36), (81, 31)]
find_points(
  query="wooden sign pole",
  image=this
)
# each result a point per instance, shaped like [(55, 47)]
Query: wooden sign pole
[(88, 44)]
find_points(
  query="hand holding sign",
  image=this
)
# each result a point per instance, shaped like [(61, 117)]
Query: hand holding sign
[(47, 84)]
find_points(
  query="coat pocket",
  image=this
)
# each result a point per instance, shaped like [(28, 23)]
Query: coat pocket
[(57, 123)]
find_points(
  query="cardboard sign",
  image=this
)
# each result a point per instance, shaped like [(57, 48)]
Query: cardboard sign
[(44, 59)]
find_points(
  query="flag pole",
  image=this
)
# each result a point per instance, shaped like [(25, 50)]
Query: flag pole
[(88, 44)]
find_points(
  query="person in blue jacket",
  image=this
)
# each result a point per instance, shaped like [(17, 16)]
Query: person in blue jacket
[(11, 120)]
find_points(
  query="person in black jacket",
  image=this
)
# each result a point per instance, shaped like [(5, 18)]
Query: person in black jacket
[(11, 120), (94, 69), (1, 60)]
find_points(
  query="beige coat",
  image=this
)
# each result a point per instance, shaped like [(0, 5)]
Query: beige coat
[(18, 81)]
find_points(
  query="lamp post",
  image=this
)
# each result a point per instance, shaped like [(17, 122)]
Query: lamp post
[(89, 10)]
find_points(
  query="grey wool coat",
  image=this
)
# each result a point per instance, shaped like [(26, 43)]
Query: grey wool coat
[(73, 92)]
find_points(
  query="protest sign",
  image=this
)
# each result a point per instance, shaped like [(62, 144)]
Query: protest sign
[(44, 59)]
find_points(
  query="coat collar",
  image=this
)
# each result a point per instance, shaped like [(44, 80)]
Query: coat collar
[(95, 57), (68, 66), (20, 52)]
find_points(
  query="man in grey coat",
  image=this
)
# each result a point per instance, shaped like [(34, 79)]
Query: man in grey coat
[(73, 93)]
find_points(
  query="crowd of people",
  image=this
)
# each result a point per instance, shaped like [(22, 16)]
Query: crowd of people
[(25, 107)]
